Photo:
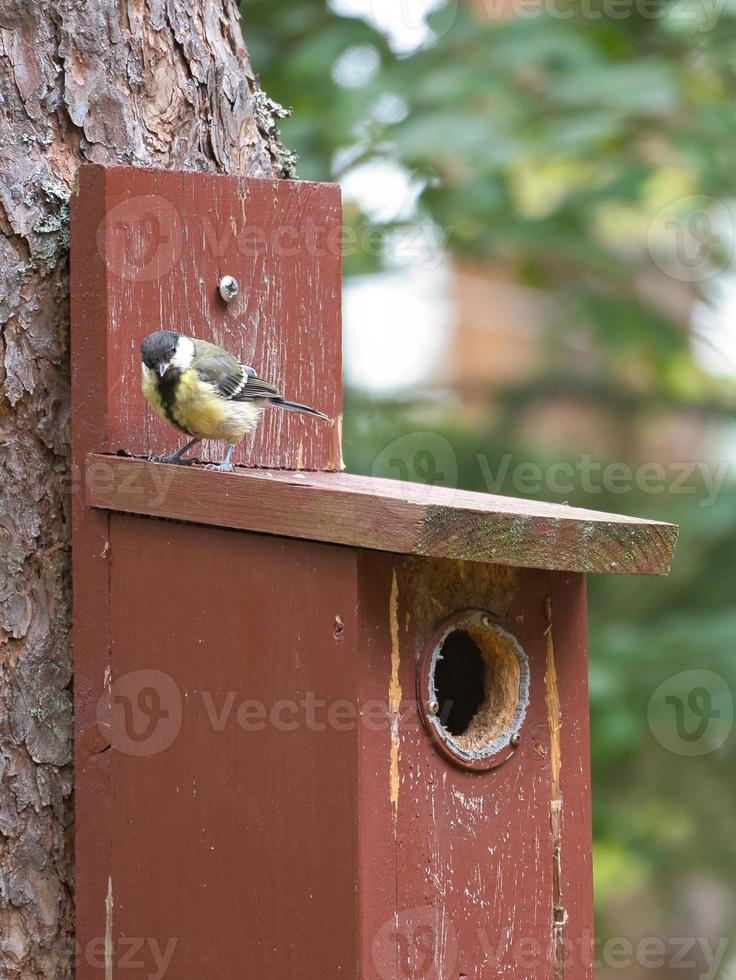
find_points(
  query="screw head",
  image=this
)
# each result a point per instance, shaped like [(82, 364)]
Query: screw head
[(485, 620), (434, 708), (516, 739), (229, 288)]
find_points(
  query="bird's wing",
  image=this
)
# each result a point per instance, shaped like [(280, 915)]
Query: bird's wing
[(231, 378), (256, 387)]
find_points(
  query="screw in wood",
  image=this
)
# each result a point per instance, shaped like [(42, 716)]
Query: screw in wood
[(515, 739), (486, 620), (229, 288), (434, 708)]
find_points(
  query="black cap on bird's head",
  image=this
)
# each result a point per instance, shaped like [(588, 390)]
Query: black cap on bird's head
[(158, 350)]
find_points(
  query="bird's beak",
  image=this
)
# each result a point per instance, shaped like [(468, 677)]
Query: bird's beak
[(162, 369)]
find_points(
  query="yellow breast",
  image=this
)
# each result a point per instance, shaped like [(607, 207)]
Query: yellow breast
[(150, 390), (197, 408)]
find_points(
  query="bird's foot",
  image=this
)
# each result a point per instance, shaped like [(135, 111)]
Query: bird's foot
[(226, 466), (173, 459), (177, 457)]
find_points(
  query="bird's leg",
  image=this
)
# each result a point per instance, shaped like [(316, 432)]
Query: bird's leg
[(226, 466), (177, 456)]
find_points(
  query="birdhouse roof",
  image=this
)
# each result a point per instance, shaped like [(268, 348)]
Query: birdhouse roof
[(385, 515)]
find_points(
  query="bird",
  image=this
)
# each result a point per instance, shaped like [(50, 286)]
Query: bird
[(205, 392)]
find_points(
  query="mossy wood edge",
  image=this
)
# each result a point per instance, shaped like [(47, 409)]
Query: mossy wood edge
[(384, 515)]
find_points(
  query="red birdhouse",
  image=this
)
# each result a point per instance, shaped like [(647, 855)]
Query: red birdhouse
[(327, 726)]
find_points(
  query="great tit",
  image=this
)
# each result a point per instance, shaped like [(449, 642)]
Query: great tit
[(205, 392)]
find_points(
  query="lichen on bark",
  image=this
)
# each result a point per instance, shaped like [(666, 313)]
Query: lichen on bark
[(161, 83)]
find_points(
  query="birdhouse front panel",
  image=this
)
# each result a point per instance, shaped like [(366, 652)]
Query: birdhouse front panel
[(475, 796), (333, 762)]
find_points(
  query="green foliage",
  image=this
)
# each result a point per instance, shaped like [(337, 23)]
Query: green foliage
[(551, 141)]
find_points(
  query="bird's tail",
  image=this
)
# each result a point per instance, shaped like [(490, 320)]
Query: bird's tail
[(288, 406)]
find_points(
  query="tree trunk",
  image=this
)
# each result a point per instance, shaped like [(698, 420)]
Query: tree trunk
[(161, 83)]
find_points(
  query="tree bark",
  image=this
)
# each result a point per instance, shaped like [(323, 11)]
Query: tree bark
[(161, 83)]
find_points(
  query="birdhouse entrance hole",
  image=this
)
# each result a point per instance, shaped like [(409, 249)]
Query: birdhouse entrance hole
[(474, 690)]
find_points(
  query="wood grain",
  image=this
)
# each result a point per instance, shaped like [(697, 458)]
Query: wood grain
[(472, 878), (385, 515), (161, 243)]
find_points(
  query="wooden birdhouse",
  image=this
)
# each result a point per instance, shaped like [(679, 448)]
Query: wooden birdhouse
[(327, 725)]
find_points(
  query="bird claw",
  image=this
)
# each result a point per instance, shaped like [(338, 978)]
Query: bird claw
[(173, 460), (226, 466)]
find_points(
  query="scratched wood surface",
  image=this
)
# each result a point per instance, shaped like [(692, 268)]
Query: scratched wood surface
[(475, 881), (234, 839), (148, 250), (386, 515)]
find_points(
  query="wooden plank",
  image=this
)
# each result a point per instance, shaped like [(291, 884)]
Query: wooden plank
[(473, 876), (156, 243), (566, 641), (234, 829), (385, 515), (90, 593), (147, 251)]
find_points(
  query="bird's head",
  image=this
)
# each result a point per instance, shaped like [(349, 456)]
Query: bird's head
[(165, 350)]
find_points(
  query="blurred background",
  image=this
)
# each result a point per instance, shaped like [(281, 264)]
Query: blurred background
[(540, 301)]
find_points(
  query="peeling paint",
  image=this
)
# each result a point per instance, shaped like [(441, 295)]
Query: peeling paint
[(340, 462), (496, 862), (394, 695), (554, 718), (108, 931)]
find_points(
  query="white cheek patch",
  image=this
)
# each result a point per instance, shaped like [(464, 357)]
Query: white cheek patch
[(184, 354)]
